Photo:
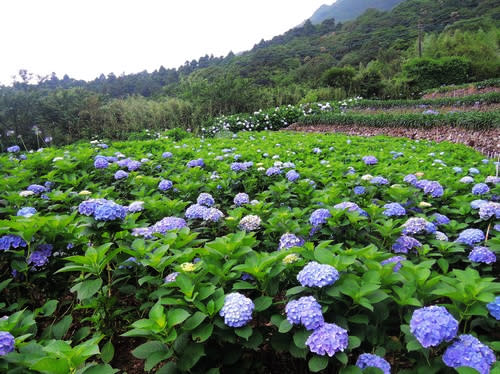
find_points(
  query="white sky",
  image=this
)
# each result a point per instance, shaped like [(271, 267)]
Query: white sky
[(83, 38)]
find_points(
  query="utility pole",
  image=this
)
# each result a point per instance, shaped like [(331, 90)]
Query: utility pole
[(420, 28)]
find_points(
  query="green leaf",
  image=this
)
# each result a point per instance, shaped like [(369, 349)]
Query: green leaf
[(244, 332), (324, 256), (194, 321), (49, 308), (300, 337), (107, 352), (87, 288), (351, 369), (466, 370), (354, 342), (342, 357), (168, 368), (146, 349), (318, 363), (176, 316), (285, 326), (51, 366), (61, 328), (191, 356), (262, 303), (203, 332), (100, 369), (4, 284)]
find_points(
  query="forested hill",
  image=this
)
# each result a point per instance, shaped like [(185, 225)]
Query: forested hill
[(346, 10)]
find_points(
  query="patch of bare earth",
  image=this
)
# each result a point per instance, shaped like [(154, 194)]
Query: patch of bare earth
[(485, 141), (442, 109), (461, 92)]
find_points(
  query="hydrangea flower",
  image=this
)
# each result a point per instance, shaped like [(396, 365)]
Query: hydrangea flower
[(237, 310), (13, 149), (87, 207), (466, 180), (109, 211), (273, 171), (411, 179), (205, 199), (434, 189), (366, 360), (488, 210), (477, 204), (101, 162), (196, 163), (469, 351), (136, 206), (440, 219), (473, 171), (433, 325), (165, 185), (405, 243), (240, 166), (14, 241), (292, 176), (26, 212), (492, 179), (328, 340), (417, 225), (319, 217), (168, 223), (166, 155), (289, 241), (378, 180), (359, 190), (305, 311), (241, 199), (121, 174), (494, 308), (350, 207), (38, 259), (394, 209), (317, 275), (394, 260), (196, 211), (441, 236), (171, 277), (36, 189), (213, 215), (133, 165), (7, 342), (457, 169), (480, 189), (250, 223), (316, 150), (482, 255), (470, 237), (370, 160)]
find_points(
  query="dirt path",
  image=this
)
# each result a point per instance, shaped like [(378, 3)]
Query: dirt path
[(485, 141)]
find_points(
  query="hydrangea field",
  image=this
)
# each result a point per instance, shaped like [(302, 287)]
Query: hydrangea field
[(257, 253)]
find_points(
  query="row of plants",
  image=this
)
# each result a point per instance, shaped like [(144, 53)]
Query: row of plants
[(493, 82), (264, 252)]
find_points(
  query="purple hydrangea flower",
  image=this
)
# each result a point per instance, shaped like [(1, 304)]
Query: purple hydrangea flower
[(480, 189), (87, 207), (239, 166), (494, 308), (366, 360), (133, 165), (241, 199), (289, 241), (328, 339), (171, 277), (440, 219), (316, 150), (466, 180), (26, 212), (417, 225), (405, 243), (205, 199), (469, 351), (359, 190), (395, 260), (476, 204), (213, 215), (273, 170), (305, 311), (474, 171), (470, 237), (378, 180), (292, 176), (168, 223), (370, 160), (434, 189), (488, 210), (237, 310), (482, 255), (121, 174), (166, 154), (38, 259), (109, 211), (196, 163), (14, 149), (136, 206), (101, 162), (411, 179), (319, 217), (7, 342), (317, 275), (492, 179), (433, 325), (196, 211), (36, 189), (165, 185), (394, 209), (14, 241), (441, 236)]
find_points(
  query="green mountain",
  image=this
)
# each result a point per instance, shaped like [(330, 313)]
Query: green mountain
[(346, 10)]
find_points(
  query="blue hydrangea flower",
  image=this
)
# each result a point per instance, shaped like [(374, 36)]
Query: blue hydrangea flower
[(317, 275), (205, 199), (434, 189), (239, 166), (237, 310), (121, 174), (14, 241), (417, 225), (319, 217), (492, 179), (378, 180), (196, 211), (13, 149), (411, 179), (440, 219), (213, 215), (350, 207), (241, 199), (370, 160), (480, 189), (433, 325), (470, 237), (289, 241), (168, 223), (7, 342), (26, 212), (494, 308), (101, 162), (488, 210), (394, 209), (473, 171), (405, 243), (292, 176), (133, 165), (136, 206), (273, 171), (38, 259), (171, 277), (366, 360), (36, 189), (305, 311), (196, 163), (476, 204), (467, 180), (87, 207), (469, 351), (165, 185), (482, 255), (166, 155), (457, 169), (397, 260), (359, 190), (316, 150), (109, 211), (441, 236), (328, 340)]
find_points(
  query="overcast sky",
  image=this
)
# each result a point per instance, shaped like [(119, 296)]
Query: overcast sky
[(83, 38)]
